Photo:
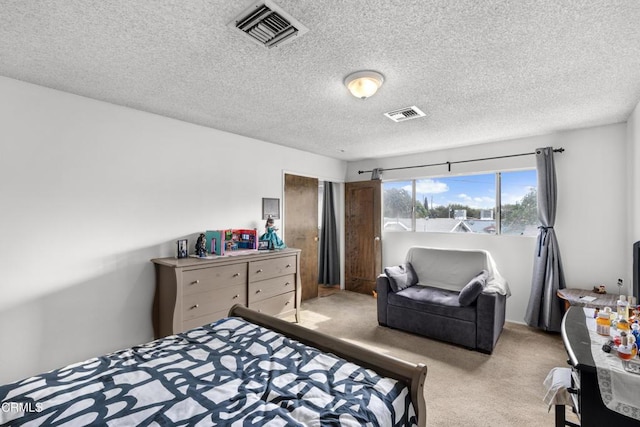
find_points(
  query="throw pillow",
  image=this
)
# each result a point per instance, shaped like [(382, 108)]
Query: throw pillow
[(473, 289), (401, 276)]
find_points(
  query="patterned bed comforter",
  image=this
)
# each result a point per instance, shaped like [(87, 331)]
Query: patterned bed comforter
[(228, 373)]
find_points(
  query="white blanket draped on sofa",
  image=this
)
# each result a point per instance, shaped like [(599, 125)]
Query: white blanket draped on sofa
[(452, 270)]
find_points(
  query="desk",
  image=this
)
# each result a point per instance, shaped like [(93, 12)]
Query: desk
[(572, 297), (584, 380)]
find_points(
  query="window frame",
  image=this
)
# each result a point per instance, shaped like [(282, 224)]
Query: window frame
[(497, 208)]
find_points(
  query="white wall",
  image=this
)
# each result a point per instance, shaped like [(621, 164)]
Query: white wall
[(633, 180), (633, 174), (591, 218), (92, 191)]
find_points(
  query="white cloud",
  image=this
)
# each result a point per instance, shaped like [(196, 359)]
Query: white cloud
[(477, 202), (430, 186)]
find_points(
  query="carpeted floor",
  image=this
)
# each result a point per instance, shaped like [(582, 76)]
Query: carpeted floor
[(464, 387)]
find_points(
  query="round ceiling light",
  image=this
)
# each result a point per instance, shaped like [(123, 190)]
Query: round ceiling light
[(363, 84)]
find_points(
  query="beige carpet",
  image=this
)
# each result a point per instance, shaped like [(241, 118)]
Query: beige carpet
[(464, 387)]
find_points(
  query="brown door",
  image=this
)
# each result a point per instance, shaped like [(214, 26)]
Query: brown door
[(363, 249), (301, 227)]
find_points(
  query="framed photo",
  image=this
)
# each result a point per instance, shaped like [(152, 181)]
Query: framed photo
[(270, 208), (263, 245), (182, 248)]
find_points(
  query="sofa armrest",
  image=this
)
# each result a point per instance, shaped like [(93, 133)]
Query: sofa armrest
[(490, 315), (383, 288)]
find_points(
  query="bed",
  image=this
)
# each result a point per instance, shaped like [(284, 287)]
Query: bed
[(246, 369)]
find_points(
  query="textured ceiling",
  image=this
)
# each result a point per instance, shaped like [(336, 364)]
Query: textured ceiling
[(480, 70)]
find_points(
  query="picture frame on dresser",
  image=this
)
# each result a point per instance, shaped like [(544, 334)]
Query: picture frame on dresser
[(182, 250)]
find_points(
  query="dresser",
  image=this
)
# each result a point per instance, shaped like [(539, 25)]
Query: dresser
[(191, 292)]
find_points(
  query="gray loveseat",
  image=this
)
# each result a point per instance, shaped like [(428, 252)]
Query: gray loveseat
[(451, 295)]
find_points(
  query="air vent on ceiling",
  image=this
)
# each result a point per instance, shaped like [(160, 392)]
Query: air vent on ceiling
[(266, 24), (404, 114)]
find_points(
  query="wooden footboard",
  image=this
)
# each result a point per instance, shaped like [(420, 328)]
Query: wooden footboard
[(412, 375)]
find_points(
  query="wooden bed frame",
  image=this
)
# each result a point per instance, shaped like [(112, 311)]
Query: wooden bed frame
[(408, 373)]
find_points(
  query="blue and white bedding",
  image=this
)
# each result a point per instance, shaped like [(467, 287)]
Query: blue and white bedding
[(230, 373)]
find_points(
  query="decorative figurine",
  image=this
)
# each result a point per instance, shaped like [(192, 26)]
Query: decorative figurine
[(270, 235), (600, 289), (201, 246)]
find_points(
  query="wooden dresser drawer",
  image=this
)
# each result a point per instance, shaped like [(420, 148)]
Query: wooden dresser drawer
[(262, 270), (267, 288), (201, 304), (209, 279), (276, 305)]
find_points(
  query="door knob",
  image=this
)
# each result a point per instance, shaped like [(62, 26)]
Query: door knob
[(377, 239)]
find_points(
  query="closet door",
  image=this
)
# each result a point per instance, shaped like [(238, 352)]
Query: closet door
[(363, 248), (301, 227)]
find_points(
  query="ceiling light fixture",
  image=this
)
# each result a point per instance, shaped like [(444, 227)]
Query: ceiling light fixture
[(363, 84)]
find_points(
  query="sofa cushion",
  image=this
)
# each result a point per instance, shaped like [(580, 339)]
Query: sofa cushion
[(437, 301), (470, 292), (401, 276)]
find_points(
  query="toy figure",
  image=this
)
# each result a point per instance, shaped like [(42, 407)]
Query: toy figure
[(270, 235), (201, 246)]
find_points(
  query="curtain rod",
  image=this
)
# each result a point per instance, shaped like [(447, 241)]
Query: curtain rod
[(555, 150)]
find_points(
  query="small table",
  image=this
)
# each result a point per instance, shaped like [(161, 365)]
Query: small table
[(572, 297)]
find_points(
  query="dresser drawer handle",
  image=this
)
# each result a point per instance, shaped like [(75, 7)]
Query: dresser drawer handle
[(287, 284), (195, 282), (259, 271), (288, 265), (258, 291), (236, 274), (287, 303), (236, 296), (193, 307)]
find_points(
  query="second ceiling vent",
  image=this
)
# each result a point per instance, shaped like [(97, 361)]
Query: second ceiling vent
[(405, 114), (266, 24)]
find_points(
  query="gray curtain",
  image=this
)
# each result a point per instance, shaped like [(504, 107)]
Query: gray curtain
[(545, 308), (329, 262)]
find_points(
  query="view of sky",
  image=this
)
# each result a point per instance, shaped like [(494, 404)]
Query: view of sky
[(475, 191)]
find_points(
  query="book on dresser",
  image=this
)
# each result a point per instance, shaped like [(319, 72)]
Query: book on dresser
[(192, 292)]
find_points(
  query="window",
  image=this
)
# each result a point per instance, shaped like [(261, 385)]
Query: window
[(463, 204), (398, 206), (519, 203), (458, 204)]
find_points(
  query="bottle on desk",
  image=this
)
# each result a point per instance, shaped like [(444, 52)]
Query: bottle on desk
[(623, 325), (623, 308), (603, 323), (627, 347)]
